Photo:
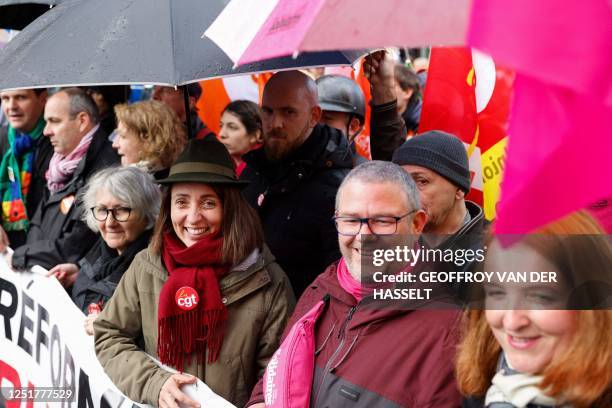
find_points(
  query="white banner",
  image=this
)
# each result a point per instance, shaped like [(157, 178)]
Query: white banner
[(46, 354)]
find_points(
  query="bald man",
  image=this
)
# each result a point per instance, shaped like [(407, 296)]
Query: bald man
[(294, 178)]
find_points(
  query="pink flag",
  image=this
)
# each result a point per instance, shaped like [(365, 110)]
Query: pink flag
[(558, 158)]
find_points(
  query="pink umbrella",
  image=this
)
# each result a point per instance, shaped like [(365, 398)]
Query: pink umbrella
[(276, 28)]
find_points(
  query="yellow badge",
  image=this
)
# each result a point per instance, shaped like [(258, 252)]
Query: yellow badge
[(66, 203)]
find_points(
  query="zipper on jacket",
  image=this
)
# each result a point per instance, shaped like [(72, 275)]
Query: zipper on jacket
[(329, 363), (346, 321)]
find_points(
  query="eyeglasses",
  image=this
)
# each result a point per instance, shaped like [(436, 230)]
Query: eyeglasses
[(386, 225), (120, 214)]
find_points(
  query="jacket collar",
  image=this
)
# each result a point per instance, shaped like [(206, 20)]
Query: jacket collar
[(326, 147), (369, 310), (477, 217)]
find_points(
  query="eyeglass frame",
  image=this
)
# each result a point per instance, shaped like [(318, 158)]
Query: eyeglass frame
[(367, 221), (111, 211)]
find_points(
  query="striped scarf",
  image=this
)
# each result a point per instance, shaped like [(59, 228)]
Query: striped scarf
[(61, 168), (16, 175)]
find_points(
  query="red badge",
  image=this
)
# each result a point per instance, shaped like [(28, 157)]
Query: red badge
[(187, 298), (94, 308)]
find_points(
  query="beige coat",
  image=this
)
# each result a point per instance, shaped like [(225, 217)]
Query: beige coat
[(259, 300)]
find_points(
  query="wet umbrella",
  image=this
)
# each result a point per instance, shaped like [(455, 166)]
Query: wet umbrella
[(98, 42), (16, 14)]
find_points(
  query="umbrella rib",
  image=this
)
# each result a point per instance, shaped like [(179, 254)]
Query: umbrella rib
[(172, 43)]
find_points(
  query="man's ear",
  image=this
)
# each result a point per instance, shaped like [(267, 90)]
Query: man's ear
[(355, 127), (460, 194), (192, 102), (315, 115), (84, 121), (42, 97), (418, 221)]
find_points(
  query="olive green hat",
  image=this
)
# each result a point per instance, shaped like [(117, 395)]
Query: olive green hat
[(204, 161)]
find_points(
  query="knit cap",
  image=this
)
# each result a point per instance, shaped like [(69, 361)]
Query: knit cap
[(437, 151)]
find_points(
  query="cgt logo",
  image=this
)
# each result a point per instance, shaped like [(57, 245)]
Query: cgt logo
[(187, 298)]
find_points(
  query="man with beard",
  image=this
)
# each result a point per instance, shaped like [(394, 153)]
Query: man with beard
[(294, 178)]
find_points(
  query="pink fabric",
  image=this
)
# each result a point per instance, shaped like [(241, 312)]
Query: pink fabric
[(560, 42), (557, 156), (559, 144), (315, 25), (287, 381), (283, 31), (351, 285), (61, 168)]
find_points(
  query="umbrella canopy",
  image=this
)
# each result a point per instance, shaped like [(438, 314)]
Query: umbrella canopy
[(16, 14), (274, 28), (99, 42)]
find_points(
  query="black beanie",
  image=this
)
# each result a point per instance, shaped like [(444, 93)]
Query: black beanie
[(437, 151)]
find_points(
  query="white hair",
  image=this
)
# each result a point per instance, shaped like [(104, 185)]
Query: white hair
[(130, 185)]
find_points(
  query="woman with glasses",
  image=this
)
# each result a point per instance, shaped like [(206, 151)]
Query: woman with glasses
[(122, 205)]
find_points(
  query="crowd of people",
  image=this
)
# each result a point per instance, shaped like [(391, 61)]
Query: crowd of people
[(205, 252)]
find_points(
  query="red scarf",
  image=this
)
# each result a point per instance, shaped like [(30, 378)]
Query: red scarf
[(184, 332)]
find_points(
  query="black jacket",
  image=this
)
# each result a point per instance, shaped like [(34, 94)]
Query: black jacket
[(387, 131), (57, 234), (38, 183), (296, 200), (101, 270), (470, 236)]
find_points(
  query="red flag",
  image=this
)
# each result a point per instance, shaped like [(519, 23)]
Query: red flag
[(469, 96)]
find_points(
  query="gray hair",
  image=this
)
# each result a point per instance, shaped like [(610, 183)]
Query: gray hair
[(377, 171), (80, 101), (132, 186)]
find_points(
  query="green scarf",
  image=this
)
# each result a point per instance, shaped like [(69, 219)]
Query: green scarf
[(16, 175)]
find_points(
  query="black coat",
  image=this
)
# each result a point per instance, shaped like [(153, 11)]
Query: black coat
[(472, 403), (57, 234), (387, 131), (38, 183), (101, 270), (296, 199)]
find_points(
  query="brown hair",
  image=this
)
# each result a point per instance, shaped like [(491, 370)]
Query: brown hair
[(583, 374), (240, 226), (158, 127), (249, 114)]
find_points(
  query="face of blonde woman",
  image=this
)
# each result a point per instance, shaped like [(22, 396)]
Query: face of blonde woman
[(128, 145), (527, 318)]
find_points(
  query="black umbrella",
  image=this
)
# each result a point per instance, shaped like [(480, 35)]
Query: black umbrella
[(97, 42), (16, 14)]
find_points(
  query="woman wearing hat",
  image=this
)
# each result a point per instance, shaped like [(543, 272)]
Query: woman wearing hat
[(205, 298)]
